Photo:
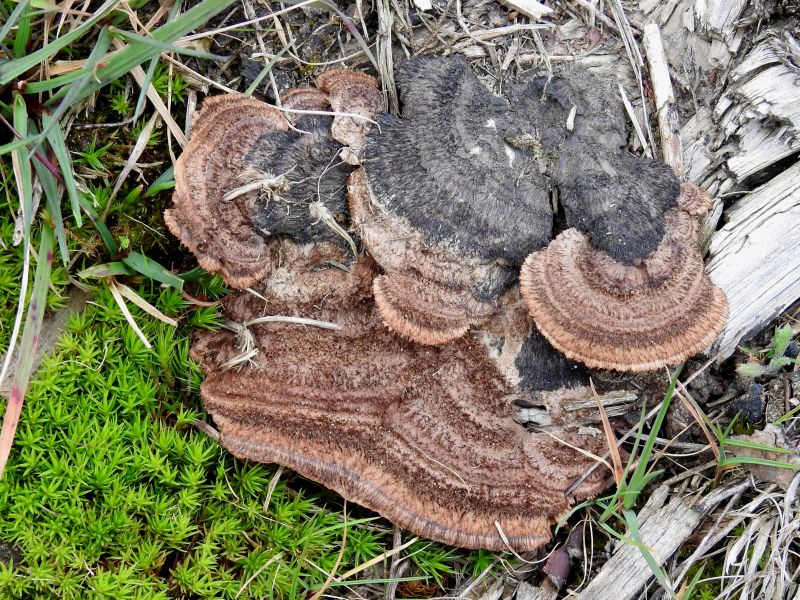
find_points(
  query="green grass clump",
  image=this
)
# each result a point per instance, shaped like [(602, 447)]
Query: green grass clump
[(10, 277), (112, 493)]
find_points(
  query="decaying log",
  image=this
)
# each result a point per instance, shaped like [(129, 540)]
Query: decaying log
[(754, 258)]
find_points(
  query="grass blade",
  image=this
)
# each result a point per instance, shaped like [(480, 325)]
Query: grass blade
[(23, 34), (13, 69), (66, 100), (52, 194), (57, 142), (163, 45), (111, 269), (12, 19), (647, 451), (108, 239), (134, 55), (150, 268), (165, 181), (28, 346)]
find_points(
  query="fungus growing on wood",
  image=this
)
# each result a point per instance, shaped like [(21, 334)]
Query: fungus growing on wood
[(658, 311), (442, 205), (219, 233), (423, 435), (246, 177), (625, 286)]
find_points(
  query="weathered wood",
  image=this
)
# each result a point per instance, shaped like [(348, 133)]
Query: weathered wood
[(530, 8), (666, 113), (759, 111), (663, 531), (545, 591), (754, 258)]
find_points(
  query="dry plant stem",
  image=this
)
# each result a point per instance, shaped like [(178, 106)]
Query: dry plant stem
[(632, 114), (632, 48), (385, 58), (377, 559), (594, 467), (391, 588), (112, 286), (207, 429), (138, 148), (668, 126), (260, 570), (23, 288)]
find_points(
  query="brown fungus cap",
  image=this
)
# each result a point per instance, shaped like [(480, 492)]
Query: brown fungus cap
[(355, 93), (219, 233), (444, 204), (245, 179), (303, 98), (426, 294), (424, 435), (610, 315)]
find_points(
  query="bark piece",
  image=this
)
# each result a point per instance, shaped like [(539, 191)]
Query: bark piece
[(757, 250), (663, 531)]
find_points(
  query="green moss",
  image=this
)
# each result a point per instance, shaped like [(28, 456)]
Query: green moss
[(111, 493)]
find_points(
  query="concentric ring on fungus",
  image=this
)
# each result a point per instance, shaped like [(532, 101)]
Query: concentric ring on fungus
[(219, 233), (424, 435), (245, 179), (608, 315)]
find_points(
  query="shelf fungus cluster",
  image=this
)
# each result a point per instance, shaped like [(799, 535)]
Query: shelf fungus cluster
[(471, 254)]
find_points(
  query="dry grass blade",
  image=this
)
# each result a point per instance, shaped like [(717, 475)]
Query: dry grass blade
[(611, 439), (138, 148), (28, 346), (258, 572), (376, 560), (112, 286), (699, 417), (144, 304), (152, 95)]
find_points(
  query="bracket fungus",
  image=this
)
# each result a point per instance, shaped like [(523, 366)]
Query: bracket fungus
[(451, 202), (250, 174), (424, 435), (441, 204)]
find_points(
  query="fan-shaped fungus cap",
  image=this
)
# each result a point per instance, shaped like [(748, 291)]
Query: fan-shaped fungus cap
[(609, 315), (429, 293), (245, 178), (576, 121), (424, 435), (219, 233), (354, 93), (303, 98), (450, 211)]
